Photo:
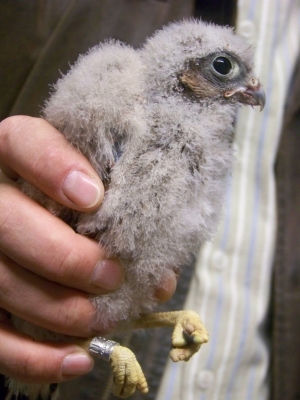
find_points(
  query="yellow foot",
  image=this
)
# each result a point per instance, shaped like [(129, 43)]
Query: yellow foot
[(188, 335), (127, 373)]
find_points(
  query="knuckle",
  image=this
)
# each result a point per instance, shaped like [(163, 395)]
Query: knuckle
[(32, 369), (5, 281), (8, 204), (12, 124), (68, 264), (72, 317), (6, 126), (11, 127), (72, 267), (25, 366)]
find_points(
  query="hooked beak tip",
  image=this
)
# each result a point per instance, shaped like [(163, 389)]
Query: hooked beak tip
[(257, 95), (253, 94)]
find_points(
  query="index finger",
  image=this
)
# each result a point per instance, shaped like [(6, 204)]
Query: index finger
[(36, 151)]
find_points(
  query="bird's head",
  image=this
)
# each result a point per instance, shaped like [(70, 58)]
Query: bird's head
[(203, 62), (221, 74)]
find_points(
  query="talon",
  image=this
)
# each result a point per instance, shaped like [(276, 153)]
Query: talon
[(179, 342), (189, 339), (201, 338)]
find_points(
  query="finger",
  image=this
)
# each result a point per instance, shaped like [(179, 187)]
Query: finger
[(47, 304), (45, 245), (28, 361), (33, 149)]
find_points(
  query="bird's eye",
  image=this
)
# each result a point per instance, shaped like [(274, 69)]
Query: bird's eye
[(222, 65)]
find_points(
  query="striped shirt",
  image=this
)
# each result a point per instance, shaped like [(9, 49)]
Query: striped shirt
[(232, 282)]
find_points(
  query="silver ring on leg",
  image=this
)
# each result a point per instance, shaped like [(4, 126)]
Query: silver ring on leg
[(102, 348)]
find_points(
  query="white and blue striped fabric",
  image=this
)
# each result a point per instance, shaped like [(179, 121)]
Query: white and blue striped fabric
[(231, 286)]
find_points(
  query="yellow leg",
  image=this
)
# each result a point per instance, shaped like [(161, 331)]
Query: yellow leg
[(188, 335)]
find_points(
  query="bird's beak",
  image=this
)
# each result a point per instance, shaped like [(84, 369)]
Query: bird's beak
[(252, 94)]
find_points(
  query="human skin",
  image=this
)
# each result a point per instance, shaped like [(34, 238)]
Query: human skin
[(47, 271)]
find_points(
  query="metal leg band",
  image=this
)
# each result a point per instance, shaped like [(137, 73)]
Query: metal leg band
[(102, 348)]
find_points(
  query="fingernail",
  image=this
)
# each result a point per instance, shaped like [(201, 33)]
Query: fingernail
[(81, 189), (108, 274), (77, 364)]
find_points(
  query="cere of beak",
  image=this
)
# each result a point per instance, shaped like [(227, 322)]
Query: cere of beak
[(253, 95)]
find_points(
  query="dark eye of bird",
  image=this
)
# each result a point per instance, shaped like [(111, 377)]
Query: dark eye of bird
[(222, 65)]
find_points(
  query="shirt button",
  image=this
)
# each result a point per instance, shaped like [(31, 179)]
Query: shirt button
[(220, 260), (247, 29), (235, 147), (205, 379)]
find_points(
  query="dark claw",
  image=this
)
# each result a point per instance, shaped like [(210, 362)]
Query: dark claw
[(188, 338)]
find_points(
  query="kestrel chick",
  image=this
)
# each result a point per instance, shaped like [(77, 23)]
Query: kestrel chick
[(157, 125)]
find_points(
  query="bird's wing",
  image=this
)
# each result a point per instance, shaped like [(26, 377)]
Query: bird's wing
[(97, 105)]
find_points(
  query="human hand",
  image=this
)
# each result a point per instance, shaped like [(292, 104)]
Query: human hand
[(47, 271)]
